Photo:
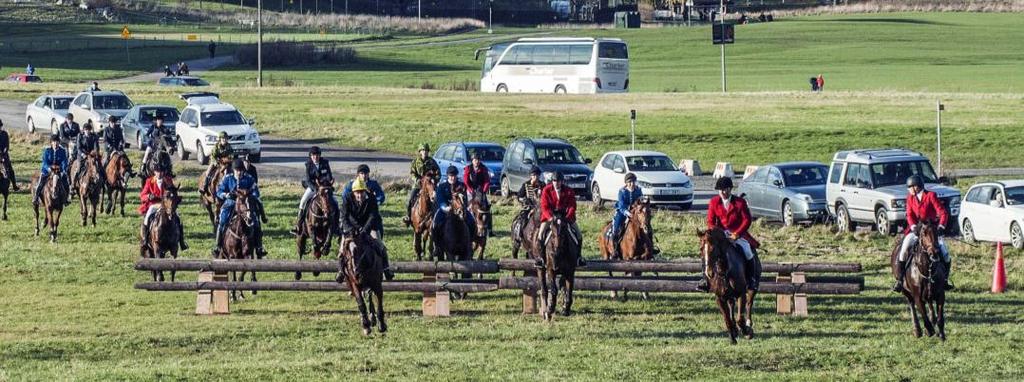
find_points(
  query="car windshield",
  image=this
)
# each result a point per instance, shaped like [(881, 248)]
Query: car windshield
[(805, 176), (558, 155), (488, 154), (112, 102), (650, 163), (896, 173), (195, 82), (222, 118), (1015, 196), (61, 103), (148, 115)]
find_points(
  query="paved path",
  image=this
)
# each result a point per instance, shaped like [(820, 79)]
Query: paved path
[(196, 68)]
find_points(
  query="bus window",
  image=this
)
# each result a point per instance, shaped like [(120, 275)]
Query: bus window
[(580, 54), (612, 50), (524, 55)]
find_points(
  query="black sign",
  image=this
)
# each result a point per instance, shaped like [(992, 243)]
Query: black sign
[(723, 33)]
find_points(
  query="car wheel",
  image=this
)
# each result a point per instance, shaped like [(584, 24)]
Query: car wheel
[(968, 231), (138, 140), (256, 158), (502, 88), (787, 214), (843, 221), (1016, 236), (506, 188), (200, 155), (595, 195), (31, 126), (182, 154), (882, 223), (560, 89)]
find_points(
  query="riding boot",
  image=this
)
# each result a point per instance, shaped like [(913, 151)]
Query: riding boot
[(949, 284), (300, 221), (38, 192), (388, 273), (703, 284), (181, 234), (219, 241), (145, 235), (901, 271), (753, 276), (617, 246)]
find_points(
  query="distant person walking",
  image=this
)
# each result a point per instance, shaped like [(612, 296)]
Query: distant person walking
[(30, 70), (212, 48), (814, 84), (821, 83)]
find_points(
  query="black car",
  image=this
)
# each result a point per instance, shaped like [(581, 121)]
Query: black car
[(551, 155)]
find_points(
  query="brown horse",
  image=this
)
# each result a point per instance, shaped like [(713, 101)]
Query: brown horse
[(524, 229), (560, 254), (89, 187), (117, 181), (54, 197), (924, 284), (163, 231), (636, 241), (422, 215), (321, 221), (5, 186), (453, 241), (727, 279), (476, 206), (361, 267), (240, 236), (208, 190)]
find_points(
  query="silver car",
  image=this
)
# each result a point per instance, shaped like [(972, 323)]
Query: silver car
[(791, 192), (140, 118), (48, 111)]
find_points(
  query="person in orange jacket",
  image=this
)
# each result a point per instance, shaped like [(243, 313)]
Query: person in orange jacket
[(730, 213), (151, 196), (922, 206)]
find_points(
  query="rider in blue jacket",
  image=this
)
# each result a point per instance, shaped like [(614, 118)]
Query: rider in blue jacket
[(226, 191), (55, 155), (444, 192), (628, 194)]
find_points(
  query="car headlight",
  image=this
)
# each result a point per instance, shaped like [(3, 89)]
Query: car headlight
[(491, 174), (211, 139), (254, 136), (644, 184), (899, 203), (805, 197), (687, 184)]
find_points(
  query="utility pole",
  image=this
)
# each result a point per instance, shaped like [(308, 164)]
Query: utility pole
[(632, 127), (259, 43), (490, 17), (939, 107), (721, 16), (419, 9)]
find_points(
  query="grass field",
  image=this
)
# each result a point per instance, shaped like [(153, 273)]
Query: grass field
[(70, 313)]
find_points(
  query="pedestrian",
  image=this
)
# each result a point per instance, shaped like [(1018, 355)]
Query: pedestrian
[(821, 83), (30, 70), (95, 87), (212, 48), (814, 84), (167, 71)]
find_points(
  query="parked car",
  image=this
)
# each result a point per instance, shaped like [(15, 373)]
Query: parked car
[(459, 154), (22, 78), (791, 192), (656, 174), (994, 211), (47, 110), (96, 106), (203, 118), (140, 118), (869, 186), (182, 81), (550, 155)]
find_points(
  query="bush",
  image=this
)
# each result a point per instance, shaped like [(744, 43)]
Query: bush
[(282, 54)]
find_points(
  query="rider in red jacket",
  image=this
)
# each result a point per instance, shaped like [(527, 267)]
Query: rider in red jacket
[(730, 213), (151, 195), (477, 178), (922, 207), (557, 198)]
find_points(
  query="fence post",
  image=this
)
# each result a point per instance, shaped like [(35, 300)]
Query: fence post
[(210, 302), (436, 304), (799, 299), (530, 296), (784, 302)]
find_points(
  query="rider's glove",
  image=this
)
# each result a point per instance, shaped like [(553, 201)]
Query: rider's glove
[(942, 229), (913, 228), (446, 209), (628, 214)]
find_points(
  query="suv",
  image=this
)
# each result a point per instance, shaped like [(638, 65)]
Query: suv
[(204, 118), (93, 107), (459, 154), (869, 186), (550, 155)]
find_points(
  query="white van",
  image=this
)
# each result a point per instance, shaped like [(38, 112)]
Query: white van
[(556, 65)]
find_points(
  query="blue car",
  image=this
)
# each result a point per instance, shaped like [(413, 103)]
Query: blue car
[(458, 154)]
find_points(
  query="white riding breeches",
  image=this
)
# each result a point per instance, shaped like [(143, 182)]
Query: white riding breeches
[(743, 243), (306, 196), (911, 240), (149, 214)]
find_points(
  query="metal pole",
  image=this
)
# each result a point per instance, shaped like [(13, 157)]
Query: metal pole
[(938, 133), (721, 16), (632, 127), (490, 17), (259, 43), (419, 9), (127, 52)]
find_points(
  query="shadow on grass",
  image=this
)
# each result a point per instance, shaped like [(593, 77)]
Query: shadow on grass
[(879, 20)]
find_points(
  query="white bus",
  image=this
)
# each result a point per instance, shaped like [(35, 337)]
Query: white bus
[(558, 65)]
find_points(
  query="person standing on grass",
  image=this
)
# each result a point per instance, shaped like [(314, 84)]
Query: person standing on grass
[(814, 84), (30, 70), (5, 157), (212, 48), (821, 83)]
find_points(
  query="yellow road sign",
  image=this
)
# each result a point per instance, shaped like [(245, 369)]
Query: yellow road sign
[(192, 37), (125, 33)]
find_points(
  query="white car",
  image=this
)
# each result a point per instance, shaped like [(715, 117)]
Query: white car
[(94, 107), (994, 211), (204, 118), (47, 110), (656, 174)]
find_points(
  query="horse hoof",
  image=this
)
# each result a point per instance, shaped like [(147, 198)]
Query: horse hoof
[(931, 334), (366, 332), (566, 313), (298, 276), (942, 336), (546, 316), (316, 274), (732, 340)]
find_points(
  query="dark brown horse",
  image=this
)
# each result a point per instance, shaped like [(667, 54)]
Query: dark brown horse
[(5, 186), (321, 221), (240, 236), (163, 231), (636, 244), (524, 229), (560, 253), (422, 215), (361, 267), (727, 279), (924, 284), (89, 187), (208, 190), (482, 215), (54, 197), (117, 181), (453, 241)]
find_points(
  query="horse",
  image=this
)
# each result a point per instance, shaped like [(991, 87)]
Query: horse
[(160, 156), (925, 281), (208, 190), (117, 181), (422, 215), (163, 234), (55, 196), (524, 228), (560, 254), (727, 279), (5, 186), (361, 267), (89, 187), (240, 236), (453, 241), (321, 221), (636, 242), (482, 214)]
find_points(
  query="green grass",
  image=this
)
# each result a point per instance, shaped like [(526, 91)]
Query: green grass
[(70, 312)]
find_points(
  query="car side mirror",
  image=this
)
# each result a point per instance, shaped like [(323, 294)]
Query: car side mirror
[(619, 170), (251, 121), (944, 180), (193, 125), (995, 203), (527, 161), (777, 183), (587, 161)]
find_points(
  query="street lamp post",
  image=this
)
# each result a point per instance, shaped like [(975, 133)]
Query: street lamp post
[(259, 43), (721, 16), (939, 107), (490, 17)]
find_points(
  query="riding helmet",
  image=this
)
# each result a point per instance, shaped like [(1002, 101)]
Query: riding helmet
[(315, 150), (111, 119), (915, 181), (723, 183), (535, 170), (452, 171), (424, 147), (631, 177), (238, 165), (54, 138), (559, 176), (359, 185), (223, 134), (363, 169)]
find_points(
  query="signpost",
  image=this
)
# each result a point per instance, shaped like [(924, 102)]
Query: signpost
[(126, 35), (939, 107), (632, 127), (722, 34)]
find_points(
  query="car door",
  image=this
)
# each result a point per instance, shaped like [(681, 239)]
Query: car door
[(854, 185), (459, 158), (1002, 216), (611, 184), (753, 187), (772, 194), (129, 127), (603, 170), (983, 214), (529, 160)]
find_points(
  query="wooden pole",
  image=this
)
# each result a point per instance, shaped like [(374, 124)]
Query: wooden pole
[(681, 266), (642, 285), (476, 266), (313, 286)]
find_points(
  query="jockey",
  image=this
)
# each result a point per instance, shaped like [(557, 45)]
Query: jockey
[(374, 188), (922, 206), (68, 131), (88, 142), (445, 191), (531, 189), (221, 151), (238, 179), (360, 215), (318, 173), (477, 178), (113, 141), (629, 193), (5, 157), (730, 213), (557, 198), (422, 165), (151, 195), (154, 139), (55, 155)]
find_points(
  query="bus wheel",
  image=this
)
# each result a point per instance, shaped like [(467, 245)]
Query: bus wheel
[(502, 88), (560, 89)]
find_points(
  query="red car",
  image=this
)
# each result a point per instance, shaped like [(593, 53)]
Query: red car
[(23, 78)]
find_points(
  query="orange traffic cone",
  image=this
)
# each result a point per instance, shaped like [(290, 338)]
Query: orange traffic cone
[(999, 271)]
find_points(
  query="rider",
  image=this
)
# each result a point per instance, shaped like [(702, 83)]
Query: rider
[(113, 141), (154, 137), (477, 178), (529, 196), (236, 180), (221, 151), (922, 207), (88, 142), (557, 198), (68, 131), (5, 157), (55, 155), (360, 215), (422, 165), (151, 195), (730, 213), (445, 191), (373, 187), (318, 173), (629, 194)]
